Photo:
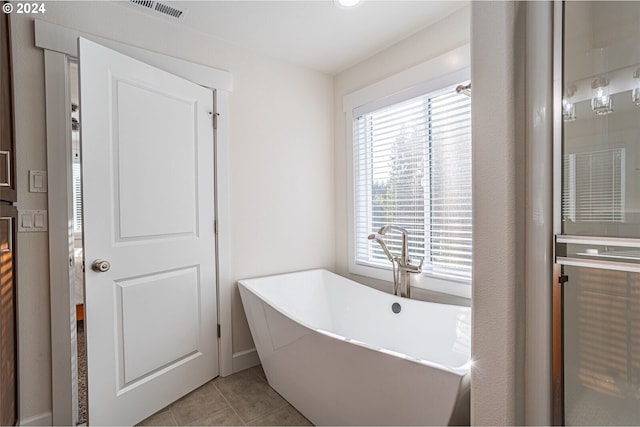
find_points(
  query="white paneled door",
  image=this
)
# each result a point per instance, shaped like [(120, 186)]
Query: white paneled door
[(148, 200)]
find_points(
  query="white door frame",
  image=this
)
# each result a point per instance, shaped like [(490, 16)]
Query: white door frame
[(60, 45)]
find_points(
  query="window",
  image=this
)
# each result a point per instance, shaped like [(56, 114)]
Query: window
[(76, 176), (77, 199), (594, 186), (412, 168)]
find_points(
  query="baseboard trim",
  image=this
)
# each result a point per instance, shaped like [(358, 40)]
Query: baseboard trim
[(44, 419), (244, 360)]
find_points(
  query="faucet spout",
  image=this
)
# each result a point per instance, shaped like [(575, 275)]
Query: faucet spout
[(404, 255), (385, 228)]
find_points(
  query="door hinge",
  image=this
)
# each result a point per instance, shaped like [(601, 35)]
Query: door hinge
[(563, 279), (215, 227), (214, 116), (219, 332)]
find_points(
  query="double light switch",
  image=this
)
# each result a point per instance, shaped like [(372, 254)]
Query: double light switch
[(32, 220)]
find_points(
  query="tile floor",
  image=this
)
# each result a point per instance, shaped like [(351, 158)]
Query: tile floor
[(241, 399)]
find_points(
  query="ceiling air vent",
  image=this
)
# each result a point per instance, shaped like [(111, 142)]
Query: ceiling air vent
[(168, 10), (146, 3), (161, 8)]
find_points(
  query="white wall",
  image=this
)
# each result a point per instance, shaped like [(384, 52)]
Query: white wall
[(288, 175), (281, 165), (497, 73), (442, 37)]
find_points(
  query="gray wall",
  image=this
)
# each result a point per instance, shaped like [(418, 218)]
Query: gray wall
[(497, 40)]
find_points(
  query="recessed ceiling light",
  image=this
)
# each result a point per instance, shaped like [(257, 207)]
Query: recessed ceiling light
[(347, 4)]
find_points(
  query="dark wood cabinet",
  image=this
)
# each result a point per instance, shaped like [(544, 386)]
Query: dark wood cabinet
[(7, 152), (8, 325), (8, 222)]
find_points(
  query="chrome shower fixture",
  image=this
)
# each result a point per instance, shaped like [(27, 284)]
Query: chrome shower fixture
[(378, 238), (464, 89)]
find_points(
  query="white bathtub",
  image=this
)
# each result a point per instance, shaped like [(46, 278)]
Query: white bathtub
[(340, 355)]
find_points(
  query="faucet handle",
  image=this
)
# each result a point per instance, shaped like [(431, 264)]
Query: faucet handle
[(415, 268)]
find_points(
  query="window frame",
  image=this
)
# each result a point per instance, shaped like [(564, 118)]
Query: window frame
[(445, 70)]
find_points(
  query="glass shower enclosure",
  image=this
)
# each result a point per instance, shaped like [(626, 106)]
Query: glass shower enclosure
[(599, 243)]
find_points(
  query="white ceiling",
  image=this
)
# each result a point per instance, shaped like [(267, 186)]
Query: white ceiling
[(314, 34)]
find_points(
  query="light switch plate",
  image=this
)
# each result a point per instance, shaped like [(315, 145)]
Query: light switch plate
[(32, 220), (26, 221), (37, 181)]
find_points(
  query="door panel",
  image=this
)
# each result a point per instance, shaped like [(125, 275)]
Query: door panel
[(170, 339), (602, 347), (171, 173), (148, 209), (601, 126), (599, 244)]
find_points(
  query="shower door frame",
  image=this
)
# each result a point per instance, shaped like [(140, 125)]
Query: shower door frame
[(559, 277), (558, 270)]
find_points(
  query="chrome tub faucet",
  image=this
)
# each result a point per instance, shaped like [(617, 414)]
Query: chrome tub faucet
[(401, 265)]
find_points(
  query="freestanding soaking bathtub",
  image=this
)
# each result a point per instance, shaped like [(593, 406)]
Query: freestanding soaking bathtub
[(340, 354)]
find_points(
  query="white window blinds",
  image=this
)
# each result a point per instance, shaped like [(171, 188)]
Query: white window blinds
[(77, 199), (412, 168), (77, 183), (594, 186)]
